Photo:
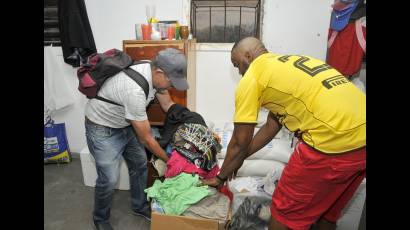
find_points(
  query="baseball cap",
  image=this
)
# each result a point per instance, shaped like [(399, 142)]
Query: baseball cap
[(340, 18), (173, 63)]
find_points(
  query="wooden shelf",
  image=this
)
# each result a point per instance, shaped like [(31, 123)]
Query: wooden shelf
[(157, 42), (156, 123)]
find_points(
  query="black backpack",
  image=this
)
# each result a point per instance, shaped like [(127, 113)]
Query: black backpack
[(101, 66)]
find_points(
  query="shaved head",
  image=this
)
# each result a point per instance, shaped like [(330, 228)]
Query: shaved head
[(248, 44), (245, 51)]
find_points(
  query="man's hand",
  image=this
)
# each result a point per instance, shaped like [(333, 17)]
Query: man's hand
[(143, 131), (213, 182), (164, 99)]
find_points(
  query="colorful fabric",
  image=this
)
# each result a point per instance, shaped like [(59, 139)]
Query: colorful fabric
[(198, 144), (178, 164)]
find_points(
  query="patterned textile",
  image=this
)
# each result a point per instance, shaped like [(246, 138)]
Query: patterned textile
[(198, 144)]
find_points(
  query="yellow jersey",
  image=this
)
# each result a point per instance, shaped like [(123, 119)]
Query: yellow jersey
[(308, 97)]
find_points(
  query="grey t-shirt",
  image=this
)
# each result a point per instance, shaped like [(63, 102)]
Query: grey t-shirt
[(124, 91)]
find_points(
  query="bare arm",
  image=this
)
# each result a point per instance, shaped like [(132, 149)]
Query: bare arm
[(237, 149), (143, 130), (242, 145), (265, 134)]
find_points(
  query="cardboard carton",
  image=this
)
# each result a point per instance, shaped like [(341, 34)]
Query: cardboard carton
[(161, 221)]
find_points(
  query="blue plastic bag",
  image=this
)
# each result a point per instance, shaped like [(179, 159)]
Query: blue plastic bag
[(56, 148)]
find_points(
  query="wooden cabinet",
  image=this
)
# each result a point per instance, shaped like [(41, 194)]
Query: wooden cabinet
[(147, 50)]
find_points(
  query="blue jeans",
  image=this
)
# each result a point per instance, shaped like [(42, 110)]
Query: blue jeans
[(107, 145)]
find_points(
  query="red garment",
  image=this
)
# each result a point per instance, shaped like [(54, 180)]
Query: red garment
[(314, 184), (345, 51), (178, 164), (225, 190)]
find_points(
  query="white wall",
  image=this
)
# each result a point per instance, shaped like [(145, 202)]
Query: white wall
[(216, 81), (113, 20), (296, 26), (289, 27)]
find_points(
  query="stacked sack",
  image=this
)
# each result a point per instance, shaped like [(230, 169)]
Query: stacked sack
[(272, 157), (265, 166)]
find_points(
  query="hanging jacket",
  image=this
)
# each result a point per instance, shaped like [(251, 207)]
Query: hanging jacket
[(77, 39)]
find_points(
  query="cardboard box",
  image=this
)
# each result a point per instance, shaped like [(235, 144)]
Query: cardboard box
[(172, 222), (161, 222)]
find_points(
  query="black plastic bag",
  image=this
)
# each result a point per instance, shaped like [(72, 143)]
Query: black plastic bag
[(252, 214)]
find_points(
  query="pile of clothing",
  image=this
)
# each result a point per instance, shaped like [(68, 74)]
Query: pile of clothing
[(184, 194), (192, 148)]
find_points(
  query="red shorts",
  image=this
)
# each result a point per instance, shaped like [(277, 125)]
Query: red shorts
[(315, 185)]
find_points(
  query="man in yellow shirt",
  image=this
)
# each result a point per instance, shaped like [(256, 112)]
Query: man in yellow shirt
[(327, 114)]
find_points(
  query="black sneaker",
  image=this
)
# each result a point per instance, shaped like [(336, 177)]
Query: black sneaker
[(145, 214), (103, 226)]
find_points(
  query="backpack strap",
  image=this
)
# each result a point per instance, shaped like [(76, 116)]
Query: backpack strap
[(106, 100), (137, 77)]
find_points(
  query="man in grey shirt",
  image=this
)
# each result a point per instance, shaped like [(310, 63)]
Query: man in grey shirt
[(112, 130)]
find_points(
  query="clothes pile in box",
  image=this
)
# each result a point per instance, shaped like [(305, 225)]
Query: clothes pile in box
[(192, 148), (181, 203), (195, 153), (182, 195)]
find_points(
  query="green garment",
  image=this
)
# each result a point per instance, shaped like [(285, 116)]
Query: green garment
[(178, 193)]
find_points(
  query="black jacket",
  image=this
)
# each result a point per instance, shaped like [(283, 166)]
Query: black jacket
[(177, 115), (75, 31)]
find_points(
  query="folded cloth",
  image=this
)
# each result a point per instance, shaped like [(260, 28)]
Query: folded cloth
[(212, 207), (176, 194)]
